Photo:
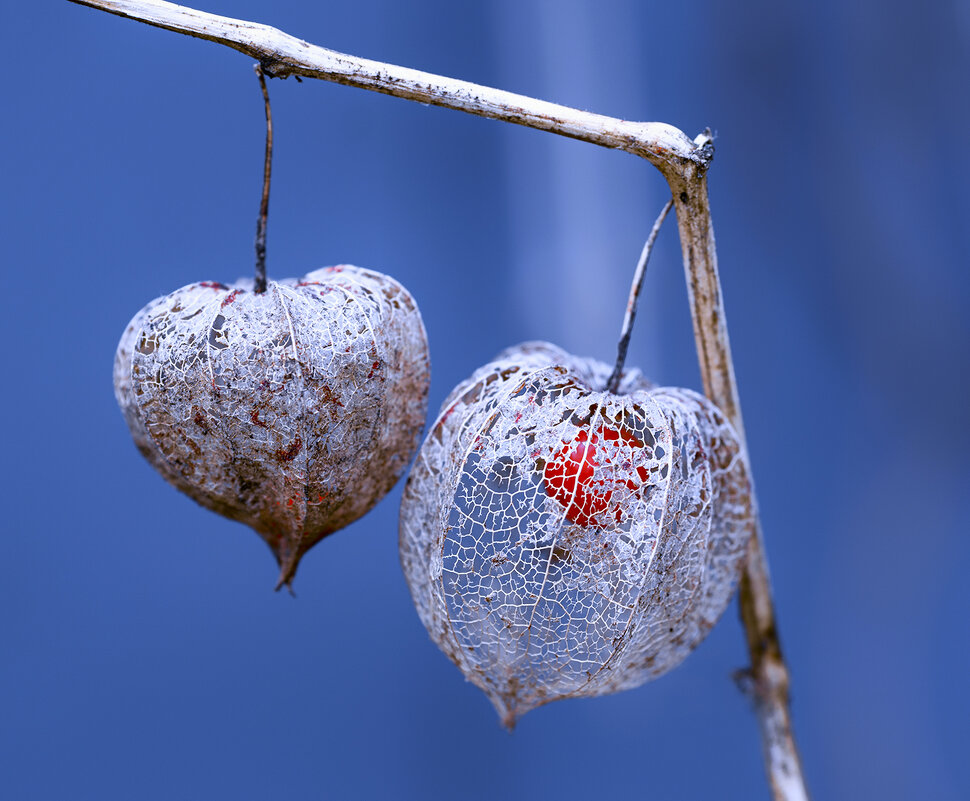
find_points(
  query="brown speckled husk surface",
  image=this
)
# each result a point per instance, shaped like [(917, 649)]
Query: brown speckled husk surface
[(293, 411)]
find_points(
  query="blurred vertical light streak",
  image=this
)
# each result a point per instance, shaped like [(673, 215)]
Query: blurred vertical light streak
[(577, 215)]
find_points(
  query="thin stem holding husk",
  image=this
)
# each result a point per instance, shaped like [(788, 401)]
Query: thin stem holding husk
[(626, 330), (259, 285)]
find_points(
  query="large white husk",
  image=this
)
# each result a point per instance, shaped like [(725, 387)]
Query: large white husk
[(293, 411), (534, 606)]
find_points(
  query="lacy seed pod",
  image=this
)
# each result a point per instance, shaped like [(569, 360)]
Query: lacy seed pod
[(293, 410), (560, 541)]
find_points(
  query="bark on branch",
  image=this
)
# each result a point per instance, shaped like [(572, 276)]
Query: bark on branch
[(682, 161)]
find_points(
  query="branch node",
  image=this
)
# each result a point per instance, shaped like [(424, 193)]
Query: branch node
[(744, 679), (274, 68), (704, 151)]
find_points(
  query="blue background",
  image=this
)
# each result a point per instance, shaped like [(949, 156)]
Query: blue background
[(144, 654)]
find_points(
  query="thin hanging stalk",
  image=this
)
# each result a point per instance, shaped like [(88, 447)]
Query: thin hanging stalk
[(682, 161), (626, 330), (259, 285)]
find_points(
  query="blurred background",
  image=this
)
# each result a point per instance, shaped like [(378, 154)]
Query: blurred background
[(144, 653)]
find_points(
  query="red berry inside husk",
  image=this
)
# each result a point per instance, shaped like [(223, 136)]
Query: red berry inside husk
[(584, 473)]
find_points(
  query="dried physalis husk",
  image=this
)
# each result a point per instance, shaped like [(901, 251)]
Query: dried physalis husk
[(293, 410), (561, 541)]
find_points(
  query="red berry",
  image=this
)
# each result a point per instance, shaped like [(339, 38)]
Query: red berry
[(584, 473)]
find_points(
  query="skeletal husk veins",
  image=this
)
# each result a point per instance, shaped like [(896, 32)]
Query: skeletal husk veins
[(293, 411), (561, 541)]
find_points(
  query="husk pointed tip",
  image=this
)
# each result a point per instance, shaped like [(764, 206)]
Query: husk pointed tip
[(284, 582), (288, 563), (508, 715)]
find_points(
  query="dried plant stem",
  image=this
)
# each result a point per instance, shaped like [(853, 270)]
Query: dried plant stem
[(259, 285), (682, 161), (626, 330), (768, 673)]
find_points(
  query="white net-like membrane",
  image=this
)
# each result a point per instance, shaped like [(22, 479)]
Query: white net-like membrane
[(561, 541), (293, 411)]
